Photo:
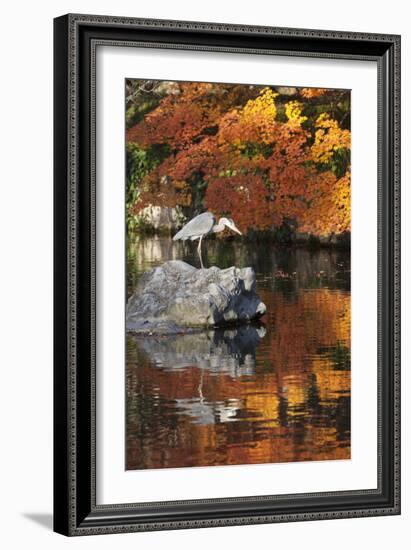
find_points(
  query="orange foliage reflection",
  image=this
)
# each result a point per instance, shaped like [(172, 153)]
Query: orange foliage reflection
[(291, 402)]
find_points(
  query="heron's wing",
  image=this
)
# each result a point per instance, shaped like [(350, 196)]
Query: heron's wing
[(198, 226)]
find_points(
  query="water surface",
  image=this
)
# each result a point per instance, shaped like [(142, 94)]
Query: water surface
[(273, 392)]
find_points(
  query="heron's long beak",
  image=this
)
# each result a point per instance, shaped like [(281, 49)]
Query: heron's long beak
[(234, 228)]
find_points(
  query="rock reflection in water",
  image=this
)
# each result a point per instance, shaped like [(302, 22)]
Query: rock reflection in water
[(230, 351)]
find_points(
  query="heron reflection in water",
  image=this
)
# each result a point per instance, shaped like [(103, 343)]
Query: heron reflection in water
[(201, 226)]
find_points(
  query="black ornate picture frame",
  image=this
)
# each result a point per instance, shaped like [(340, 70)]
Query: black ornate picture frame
[(76, 38)]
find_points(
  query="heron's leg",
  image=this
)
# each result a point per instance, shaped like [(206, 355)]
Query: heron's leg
[(199, 251)]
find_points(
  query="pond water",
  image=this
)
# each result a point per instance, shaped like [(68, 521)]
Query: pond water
[(274, 392)]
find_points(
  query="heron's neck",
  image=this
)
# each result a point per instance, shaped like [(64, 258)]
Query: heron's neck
[(219, 227)]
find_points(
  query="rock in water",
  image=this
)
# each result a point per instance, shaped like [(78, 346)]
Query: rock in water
[(176, 297)]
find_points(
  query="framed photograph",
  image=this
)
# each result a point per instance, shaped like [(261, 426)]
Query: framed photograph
[(227, 277)]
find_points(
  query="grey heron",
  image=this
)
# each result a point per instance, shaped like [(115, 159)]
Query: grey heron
[(202, 225)]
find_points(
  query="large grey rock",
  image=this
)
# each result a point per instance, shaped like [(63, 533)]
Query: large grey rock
[(176, 297)]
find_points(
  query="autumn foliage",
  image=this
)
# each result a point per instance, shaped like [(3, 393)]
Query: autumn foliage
[(253, 153)]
